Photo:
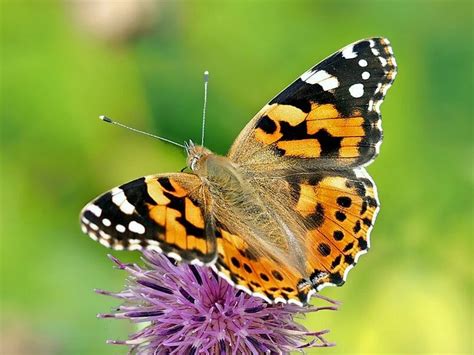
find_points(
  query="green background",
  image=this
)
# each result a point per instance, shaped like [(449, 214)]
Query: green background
[(411, 294)]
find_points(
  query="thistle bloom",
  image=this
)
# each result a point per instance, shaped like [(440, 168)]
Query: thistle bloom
[(187, 309)]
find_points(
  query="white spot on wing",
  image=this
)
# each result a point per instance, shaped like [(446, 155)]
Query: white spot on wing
[(385, 89), (105, 243), (363, 63), (84, 229), (120, 228), (153, 247), (326, 284), (136, 227), (377, 106), (357, 90), (106, 222), (279, 300), (375, 51), (104, 235), (365, 75), (379, 86), (321, 77), (383, 61), (394, 62), (348, 52), (119, 199), (379, 124), (344, 277), (96, 210), (174, 256)]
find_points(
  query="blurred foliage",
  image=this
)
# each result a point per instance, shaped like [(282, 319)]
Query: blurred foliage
[(411, 294)]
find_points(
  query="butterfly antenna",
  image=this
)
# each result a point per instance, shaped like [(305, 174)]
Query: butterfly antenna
[(206, 82), (109, 120)]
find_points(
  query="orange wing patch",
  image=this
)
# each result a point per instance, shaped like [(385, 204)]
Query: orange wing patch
[(180, 219), (159, 212), (331, 113), (339, 212), (321, 132), (257, 274)]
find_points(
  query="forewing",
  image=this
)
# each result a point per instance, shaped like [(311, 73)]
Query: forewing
[(165, 212), (329, 117)]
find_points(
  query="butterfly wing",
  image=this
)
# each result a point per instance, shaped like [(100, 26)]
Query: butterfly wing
[(250, 268), (330, 215), (159, 212), (338, 210), (328, 117), (303, 153)]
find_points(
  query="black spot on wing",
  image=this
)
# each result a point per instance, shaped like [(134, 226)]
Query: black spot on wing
[(178, 204), (137, 194), (235, 262), (324, 249), (362, 243), (336, 279), (357, 227), (336, 262), (276, 274), (267, 125), (315, 219), (344, 201), (338, 235), (295, 95), (166, 184), (291, 133), (330, 145), (249, 254), (340, 216), (348, 259)]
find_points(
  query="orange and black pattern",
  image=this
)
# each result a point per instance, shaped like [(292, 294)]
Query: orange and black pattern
[(245, 267), (158, 212), (290, 209), (338, 209), (331, 113)]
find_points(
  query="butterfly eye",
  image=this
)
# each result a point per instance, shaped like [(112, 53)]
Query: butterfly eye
[(194, 161)]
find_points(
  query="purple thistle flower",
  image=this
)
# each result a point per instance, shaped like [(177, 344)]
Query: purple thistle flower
[(187, 309)]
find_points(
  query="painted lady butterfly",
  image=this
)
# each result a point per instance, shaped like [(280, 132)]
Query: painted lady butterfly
[(290, 209)]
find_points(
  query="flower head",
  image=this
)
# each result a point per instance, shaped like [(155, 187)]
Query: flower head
[(187, 309)]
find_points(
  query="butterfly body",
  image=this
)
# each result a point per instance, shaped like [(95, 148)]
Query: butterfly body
[(290, 208), (235, 196)]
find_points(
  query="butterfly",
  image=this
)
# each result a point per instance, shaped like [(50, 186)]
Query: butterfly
[(289, 210)]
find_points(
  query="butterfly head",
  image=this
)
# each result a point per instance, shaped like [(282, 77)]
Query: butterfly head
[(195, 153)]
